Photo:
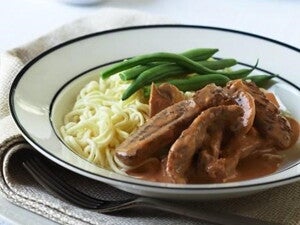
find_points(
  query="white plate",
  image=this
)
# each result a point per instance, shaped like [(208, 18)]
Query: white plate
[(45, 89)]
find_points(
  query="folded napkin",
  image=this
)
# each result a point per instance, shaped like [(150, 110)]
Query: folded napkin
[(280, 204)]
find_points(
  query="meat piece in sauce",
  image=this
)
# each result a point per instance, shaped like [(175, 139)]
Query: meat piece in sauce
[(191, 140), (163, 96), (219, 168), (268, 119), (164, 128)]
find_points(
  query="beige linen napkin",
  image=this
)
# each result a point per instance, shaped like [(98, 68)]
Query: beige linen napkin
[(279, 204)]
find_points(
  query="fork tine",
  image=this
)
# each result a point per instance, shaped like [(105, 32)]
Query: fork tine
[(59, 188)]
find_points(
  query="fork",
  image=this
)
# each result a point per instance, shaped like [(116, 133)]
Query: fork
[(36, 165)]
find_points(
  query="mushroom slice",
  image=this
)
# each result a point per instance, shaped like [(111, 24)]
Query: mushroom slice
[(246, 101)]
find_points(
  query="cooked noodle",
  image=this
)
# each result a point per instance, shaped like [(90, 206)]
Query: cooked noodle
[(100, 120)]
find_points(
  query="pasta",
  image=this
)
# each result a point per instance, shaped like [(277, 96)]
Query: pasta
[(100, 120)]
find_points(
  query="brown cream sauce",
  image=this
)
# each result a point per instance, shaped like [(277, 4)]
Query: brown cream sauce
[(248, 168), (253, 166)]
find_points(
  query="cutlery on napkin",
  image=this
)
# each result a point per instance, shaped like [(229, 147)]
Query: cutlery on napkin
[(280, 204)]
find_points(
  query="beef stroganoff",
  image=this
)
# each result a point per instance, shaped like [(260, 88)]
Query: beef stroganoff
[(174, 127)]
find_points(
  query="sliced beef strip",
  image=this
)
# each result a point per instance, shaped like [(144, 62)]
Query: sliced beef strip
[(223, 167), (268, 119), (163, 96), (165, 127), (191, 140)]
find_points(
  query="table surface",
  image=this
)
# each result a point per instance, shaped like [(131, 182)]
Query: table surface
[(24, 20)]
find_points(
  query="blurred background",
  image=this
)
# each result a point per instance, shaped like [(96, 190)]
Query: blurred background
[(24, 20)]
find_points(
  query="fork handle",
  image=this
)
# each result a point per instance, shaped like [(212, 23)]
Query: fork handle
[(210, 216)]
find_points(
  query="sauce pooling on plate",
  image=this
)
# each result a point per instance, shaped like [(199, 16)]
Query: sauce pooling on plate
[(248, 168)]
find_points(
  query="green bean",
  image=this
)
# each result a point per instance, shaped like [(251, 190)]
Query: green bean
[(195, 82), (239, 74), (147, 91), (260, 80), (197, 54), (147, 77), (164, 57), (133, 73), (192, 83), (160, 72), (200, 54), (218, 64)]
